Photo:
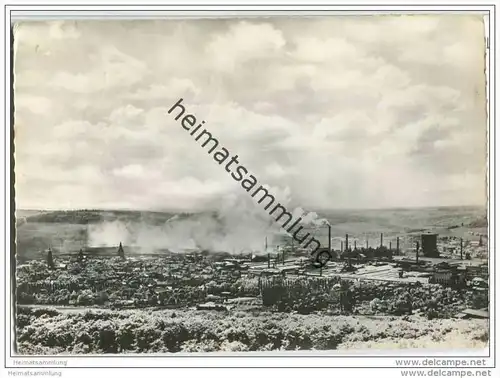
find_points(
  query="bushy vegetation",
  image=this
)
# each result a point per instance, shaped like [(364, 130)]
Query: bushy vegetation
[(190, 331)]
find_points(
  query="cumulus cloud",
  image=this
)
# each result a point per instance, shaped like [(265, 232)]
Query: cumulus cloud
[(334, 112)]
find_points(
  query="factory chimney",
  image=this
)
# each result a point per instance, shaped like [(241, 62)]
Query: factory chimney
[(418, 247), (330, 240), (381, 240), (461, 248), (397, 245), (268, 256), (346, 242)]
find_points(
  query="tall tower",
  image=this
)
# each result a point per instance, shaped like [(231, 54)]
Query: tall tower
[(121, 253), (50, 259)]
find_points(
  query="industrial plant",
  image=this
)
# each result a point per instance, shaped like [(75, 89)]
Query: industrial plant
[(120, 278)]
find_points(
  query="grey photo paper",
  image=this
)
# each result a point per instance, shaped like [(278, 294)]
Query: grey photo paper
[(250, 184)]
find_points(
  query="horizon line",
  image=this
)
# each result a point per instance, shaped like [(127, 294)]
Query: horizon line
[(209, 210)]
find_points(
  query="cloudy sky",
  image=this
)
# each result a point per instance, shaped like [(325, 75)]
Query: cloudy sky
[(339, 112)]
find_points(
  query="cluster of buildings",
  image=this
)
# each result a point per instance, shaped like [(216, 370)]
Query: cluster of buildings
[(134, 280)]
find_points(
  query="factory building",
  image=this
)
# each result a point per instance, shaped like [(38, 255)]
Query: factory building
[(429, 245)]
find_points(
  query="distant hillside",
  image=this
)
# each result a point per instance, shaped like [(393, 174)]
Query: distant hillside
[(71, 217), (482, 222), (97, 216)]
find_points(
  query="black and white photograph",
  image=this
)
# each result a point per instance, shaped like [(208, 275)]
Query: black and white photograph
[(273, 184)]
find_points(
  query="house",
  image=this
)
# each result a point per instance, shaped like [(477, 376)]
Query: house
[(443, 277)]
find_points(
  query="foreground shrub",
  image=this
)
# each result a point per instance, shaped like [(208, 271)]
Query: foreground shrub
[(193, 331)]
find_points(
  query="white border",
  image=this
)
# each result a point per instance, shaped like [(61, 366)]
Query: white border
[(366, 360)]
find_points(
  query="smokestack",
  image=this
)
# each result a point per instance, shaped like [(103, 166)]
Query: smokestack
[(266, 243), (390, 245), (418, 247), (397, 245), (381, 239), (355, 247), (367, 243), (330, 239), (50, 260), (341, 246), (461, 248), (346, 242), (268, 260), (283, 257)]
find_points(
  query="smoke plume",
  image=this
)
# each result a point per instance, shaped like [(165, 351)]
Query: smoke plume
[(239, 226)]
